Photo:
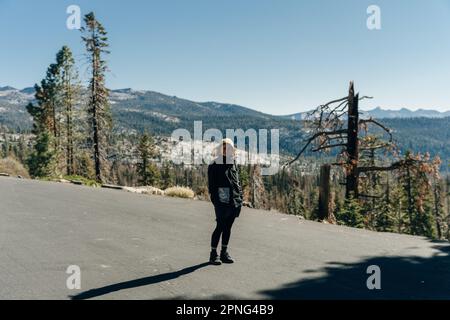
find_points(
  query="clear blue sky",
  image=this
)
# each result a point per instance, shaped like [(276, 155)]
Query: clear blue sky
[(276, 56)]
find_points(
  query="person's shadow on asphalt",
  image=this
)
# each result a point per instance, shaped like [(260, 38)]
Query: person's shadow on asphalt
[(137, 282)]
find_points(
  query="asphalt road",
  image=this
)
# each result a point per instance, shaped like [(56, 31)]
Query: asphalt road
[(131, 246)]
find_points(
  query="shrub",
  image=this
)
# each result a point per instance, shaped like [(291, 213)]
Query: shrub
[(180, 192), (13, 168)]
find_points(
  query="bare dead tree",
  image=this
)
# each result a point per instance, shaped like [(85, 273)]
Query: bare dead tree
[(337, 124)]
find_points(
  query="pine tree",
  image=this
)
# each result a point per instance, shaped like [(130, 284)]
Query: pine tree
[(415, 180), (85, 166), (68, 87), (55, 101), (167, 176), (50, 85), (295, 202), (385, 216), (42, 160), (350, 213), (41, 157), (5, 146), (438, 206), (21, 150), (94, 37), (147, 171), (244, 176)]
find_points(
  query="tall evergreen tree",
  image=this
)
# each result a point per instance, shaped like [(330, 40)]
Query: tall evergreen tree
[(167, 176), (350, 213), (296, 202), (96, 42), (21, 150), (415, 180), (385, 216), (50, 94), (42, 156), (45, 128), (5, 146), (147, 171), (68, 90)]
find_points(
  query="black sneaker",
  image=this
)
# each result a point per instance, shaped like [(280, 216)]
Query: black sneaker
[(225, 258), (214, 259)]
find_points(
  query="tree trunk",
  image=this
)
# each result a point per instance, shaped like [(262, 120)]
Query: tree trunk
[(69, 149), (324, 192), (352, 145), (55, 129), (97, 160), (437, 202), (410, 199)]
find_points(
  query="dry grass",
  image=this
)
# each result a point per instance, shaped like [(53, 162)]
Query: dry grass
[(13, 168), (180, 192)]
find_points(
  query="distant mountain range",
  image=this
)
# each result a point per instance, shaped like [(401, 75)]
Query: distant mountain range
[(147, 101), (140, 110), (388, 114), (13, 96), (406, 113)]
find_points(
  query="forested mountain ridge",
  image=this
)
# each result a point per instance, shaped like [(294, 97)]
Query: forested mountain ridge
[(149, 104), (422, 135), (159, 114)]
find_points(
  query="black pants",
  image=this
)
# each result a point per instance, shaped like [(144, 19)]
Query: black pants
[(225, 217)]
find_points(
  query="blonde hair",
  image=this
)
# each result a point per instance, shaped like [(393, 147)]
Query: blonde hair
[(230, 147)]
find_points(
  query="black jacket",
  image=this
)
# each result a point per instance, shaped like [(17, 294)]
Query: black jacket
[(223, 177)]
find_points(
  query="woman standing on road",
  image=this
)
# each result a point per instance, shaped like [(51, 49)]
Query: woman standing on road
[(226, 195)]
